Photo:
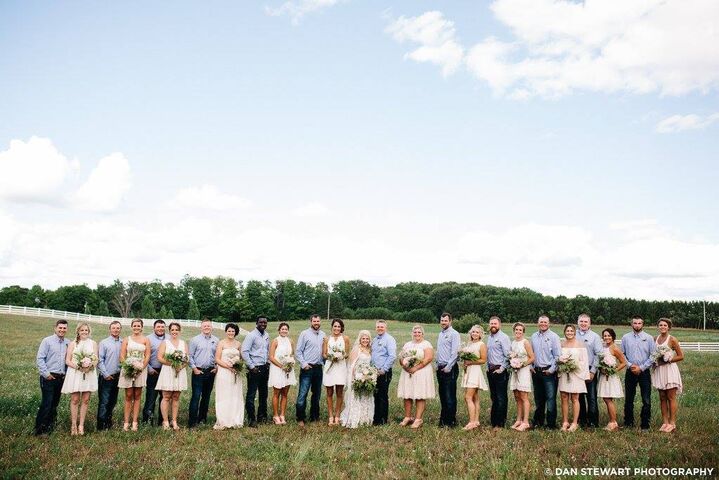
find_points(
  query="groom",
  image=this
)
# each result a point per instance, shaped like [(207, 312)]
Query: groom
[(384, 352), (309, 356)]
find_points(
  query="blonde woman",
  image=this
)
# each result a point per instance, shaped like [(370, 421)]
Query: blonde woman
[(136, 348), (474, 378), (416, 382), (81, 378), (359, 409)]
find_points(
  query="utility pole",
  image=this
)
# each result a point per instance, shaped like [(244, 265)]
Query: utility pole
[(704, 302), (329, 299)]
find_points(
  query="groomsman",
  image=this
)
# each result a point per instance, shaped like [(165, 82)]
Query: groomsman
[(108, 367), (637, 347), (309, 356), (202, 363), (447, 371), (384, 353), (588, 407), (50, 362), (255, 353), (152, 396), (547, 349), (498, 348)]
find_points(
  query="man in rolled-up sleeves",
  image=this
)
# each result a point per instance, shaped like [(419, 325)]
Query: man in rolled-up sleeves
[(447, 371), (255, 353), (547, 349), (309, 356), (384, 353), (108, 367), (588, 406), (498, 347), (637, 347), (202, 363), (50, 362)]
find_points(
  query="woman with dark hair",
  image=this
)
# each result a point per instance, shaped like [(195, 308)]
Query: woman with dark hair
[(335, 349), (135, 353), (173, 377), (665, 374), (282, 372), (229, 399), (611, 362)]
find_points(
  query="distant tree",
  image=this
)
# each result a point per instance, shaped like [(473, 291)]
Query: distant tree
[(103, 309), (193, 313), (14, 295), (147, 310), (125, 299), (163, 312)]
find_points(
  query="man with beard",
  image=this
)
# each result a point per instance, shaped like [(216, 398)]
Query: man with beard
[(588, 407), (309, 356), (152, 396), (637, 346), (498, 347)]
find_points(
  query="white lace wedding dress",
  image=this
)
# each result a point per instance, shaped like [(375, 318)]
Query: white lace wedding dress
[(359, 409)]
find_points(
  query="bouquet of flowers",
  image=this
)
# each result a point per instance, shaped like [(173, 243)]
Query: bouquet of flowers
[(238, 365), (288, 364), (177, 360), (410, 358), (334, 355), (607, 364), (365, 379), (566, 363), (516, 361), (85, 361), (467, 355), (663, 353), (132, 366)]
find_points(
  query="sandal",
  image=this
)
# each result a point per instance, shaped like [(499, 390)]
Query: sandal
[(175, 426), (134, 426), (282, 420), (406, 421), (277, 420), (165, 425), (126, 427), (417, 423)]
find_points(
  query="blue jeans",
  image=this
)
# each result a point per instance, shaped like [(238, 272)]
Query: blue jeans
[(257, 383), (311, 378), (588, 406), (200, 402), (152, 398), (46, 414), (545, 399), (644, 380), (107, 399), (447, 383), (498, 383)]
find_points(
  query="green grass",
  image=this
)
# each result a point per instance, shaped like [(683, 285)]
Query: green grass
[(320, 451)]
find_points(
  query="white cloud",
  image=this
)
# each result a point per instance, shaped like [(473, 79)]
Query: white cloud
[(297, 9), (678, 123), (436, 38), (33, 171), (208, 197), (556, 47), (312, 209), (105, 187)]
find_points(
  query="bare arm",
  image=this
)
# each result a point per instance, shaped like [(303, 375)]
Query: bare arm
[(347, 344), (324, 347), (148, 346), (617, 352), (161, 354), (530, 352), (273, 358), (69, 361), (123, 351), (678, 349)]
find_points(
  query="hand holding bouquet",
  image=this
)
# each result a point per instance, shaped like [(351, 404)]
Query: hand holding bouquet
[(364, 380), (607, 364), (85, 361), (467, 355), (567, 364), (132, 367), (662, 354), (409, 358), (288, 364), (177, 360), (238, 365), (334, 355)]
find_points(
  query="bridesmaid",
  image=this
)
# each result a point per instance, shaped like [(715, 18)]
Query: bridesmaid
[(335, 374), (229, 399), (171, 381), (137, 348), (610, 387), (281, 350), (572, 384), (520, 382), (666, 377), (80, 381), (416, 384), (474, 379)]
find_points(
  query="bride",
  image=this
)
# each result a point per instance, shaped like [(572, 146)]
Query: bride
[(359, 409)]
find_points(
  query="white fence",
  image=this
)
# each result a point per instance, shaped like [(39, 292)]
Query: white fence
[(83, 317)]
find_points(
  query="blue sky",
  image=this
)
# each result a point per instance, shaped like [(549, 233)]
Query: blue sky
[(549, 144)]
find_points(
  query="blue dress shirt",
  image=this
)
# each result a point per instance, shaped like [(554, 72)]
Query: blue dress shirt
[(384, 351), (638, 348), (51, 355), (109, 356), (309, 347), (256, 348), (498, 348), (155, 343), (594, 347), (447, 348), (547, 349), (202, 351)]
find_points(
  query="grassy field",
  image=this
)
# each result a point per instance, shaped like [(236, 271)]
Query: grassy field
[(322, 451)]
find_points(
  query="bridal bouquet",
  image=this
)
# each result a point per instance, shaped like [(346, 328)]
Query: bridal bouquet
[(410, 358), (516, 361), (238, 365), (177, 360), (467, 355), (288, 364), (607, 364), (567, 364), (662, 352), (334, 355), (365, 379), (132, 366), (85, 361)]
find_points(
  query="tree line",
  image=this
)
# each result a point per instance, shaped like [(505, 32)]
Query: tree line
[(225, 299)]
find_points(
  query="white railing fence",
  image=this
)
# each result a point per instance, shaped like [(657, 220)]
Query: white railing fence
[(83, 317)]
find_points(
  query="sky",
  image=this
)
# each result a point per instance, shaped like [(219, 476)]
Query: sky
[(569, 147)]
